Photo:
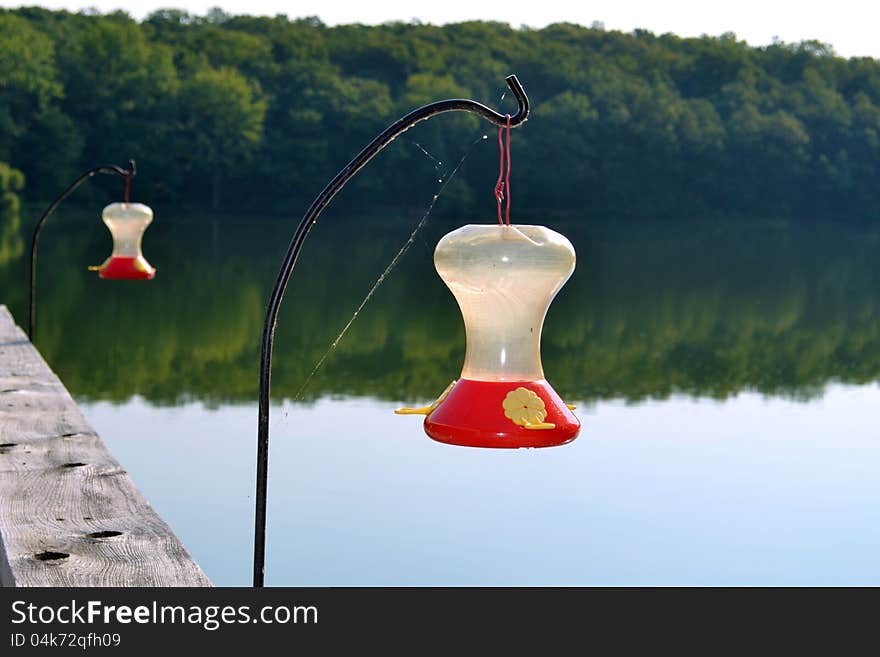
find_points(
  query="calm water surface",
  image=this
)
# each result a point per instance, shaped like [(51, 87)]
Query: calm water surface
[(725, 373)]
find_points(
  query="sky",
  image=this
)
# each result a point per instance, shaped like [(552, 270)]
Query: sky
[(850, 26)]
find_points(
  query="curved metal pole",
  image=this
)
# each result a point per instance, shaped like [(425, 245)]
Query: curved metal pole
[(106, 168), (296, 244)]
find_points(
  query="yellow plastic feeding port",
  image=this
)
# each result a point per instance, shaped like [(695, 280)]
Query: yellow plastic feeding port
[(504, 278), (127, 223)]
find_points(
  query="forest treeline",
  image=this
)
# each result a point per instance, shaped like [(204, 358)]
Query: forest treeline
[(257, 113)]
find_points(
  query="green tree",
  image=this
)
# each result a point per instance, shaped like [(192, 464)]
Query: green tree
[(11, 242), (222, 119), (35, 134)]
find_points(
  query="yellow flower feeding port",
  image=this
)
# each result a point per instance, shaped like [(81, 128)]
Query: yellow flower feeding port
[(525, 408)]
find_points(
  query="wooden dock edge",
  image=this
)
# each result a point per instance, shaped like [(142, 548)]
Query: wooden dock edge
[(69, 513)]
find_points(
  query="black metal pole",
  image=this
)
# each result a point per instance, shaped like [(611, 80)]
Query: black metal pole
[(296, 244), (106, 168)]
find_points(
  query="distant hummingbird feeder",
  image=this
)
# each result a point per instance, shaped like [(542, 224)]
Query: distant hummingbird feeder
[(127, 223)]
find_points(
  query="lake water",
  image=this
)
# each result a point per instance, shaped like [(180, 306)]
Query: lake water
[(726, 376)]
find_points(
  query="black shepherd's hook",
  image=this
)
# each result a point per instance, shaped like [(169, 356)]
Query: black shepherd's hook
[(296, 244), (127, 174)]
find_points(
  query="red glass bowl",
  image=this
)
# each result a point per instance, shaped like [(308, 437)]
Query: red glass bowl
[(127, 268), (472, 415)]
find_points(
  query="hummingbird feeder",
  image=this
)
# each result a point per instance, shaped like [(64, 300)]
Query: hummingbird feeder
[(504, 278), (127, 223)]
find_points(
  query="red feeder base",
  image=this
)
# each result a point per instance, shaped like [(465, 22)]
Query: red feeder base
[(127, 268), (473, 415)]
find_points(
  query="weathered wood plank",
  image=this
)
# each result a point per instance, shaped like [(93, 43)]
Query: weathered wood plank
[(69, 513)]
